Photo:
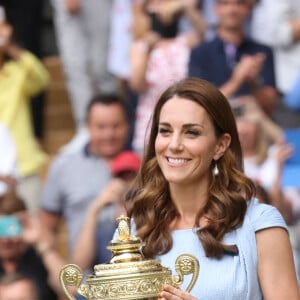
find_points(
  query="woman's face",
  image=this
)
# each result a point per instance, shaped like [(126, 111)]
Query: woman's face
[(186, 142)]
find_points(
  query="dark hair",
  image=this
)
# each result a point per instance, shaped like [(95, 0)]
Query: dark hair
[(105, 99), (11, 203), (152, 207), (167, 31), (164, 29)]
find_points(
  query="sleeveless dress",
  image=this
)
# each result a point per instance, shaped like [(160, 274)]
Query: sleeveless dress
[(234, 276)]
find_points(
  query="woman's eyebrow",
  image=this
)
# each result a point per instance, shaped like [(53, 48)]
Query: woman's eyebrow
[(193, 125), (184, 125)]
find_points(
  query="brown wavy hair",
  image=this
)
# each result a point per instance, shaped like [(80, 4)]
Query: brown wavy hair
[(151, 206)]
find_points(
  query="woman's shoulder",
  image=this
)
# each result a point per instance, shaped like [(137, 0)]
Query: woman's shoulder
[(263, 216)]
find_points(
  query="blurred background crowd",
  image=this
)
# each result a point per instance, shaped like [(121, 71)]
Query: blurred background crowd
[(78, 82)]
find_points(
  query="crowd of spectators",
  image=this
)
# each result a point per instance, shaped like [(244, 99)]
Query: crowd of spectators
[(117, 57)]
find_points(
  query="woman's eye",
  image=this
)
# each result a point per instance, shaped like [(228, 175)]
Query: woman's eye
[(193, 132), (163, 130)]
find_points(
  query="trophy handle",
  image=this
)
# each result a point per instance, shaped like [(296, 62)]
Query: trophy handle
[(70, 275), (186, 264)]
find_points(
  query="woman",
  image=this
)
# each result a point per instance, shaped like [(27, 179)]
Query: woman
[(264, 161), (161, 55), (193, 197)]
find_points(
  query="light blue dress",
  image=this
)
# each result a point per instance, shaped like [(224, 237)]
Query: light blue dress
[(234, 277)]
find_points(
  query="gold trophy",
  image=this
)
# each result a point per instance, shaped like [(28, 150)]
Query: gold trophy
[(128, 276)]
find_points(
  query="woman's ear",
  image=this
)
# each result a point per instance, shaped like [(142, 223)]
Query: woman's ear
[(222, 145)]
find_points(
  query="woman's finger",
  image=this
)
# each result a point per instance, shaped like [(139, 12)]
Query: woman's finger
[(173, 293)]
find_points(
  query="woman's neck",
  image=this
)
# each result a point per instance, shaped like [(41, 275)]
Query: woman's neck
[(189, 200)]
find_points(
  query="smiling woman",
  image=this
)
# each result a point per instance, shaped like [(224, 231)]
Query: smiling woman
[(193, 197), (186, 143)]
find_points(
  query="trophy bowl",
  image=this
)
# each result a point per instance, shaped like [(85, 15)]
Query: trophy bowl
[(128, 275)]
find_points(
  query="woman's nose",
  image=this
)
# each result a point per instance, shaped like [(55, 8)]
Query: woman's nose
[(176, 143)]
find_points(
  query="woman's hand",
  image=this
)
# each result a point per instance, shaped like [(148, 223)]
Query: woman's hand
[(7, 46), (284, 152), (171, 293)]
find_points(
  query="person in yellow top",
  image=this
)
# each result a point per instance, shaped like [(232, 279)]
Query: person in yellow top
[(22, 76)]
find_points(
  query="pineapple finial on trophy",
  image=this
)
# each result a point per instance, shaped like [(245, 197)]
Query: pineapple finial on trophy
[(123, 228)]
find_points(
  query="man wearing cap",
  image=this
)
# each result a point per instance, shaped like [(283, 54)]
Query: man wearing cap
[(126, 165), (76, 179)]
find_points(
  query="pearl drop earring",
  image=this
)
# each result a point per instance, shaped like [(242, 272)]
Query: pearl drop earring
[(216, 170)]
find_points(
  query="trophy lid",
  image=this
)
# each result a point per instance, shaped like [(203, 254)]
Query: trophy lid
[(127, 257), (125, 247)]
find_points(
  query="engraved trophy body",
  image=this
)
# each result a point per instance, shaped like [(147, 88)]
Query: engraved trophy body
[(128, 276)]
